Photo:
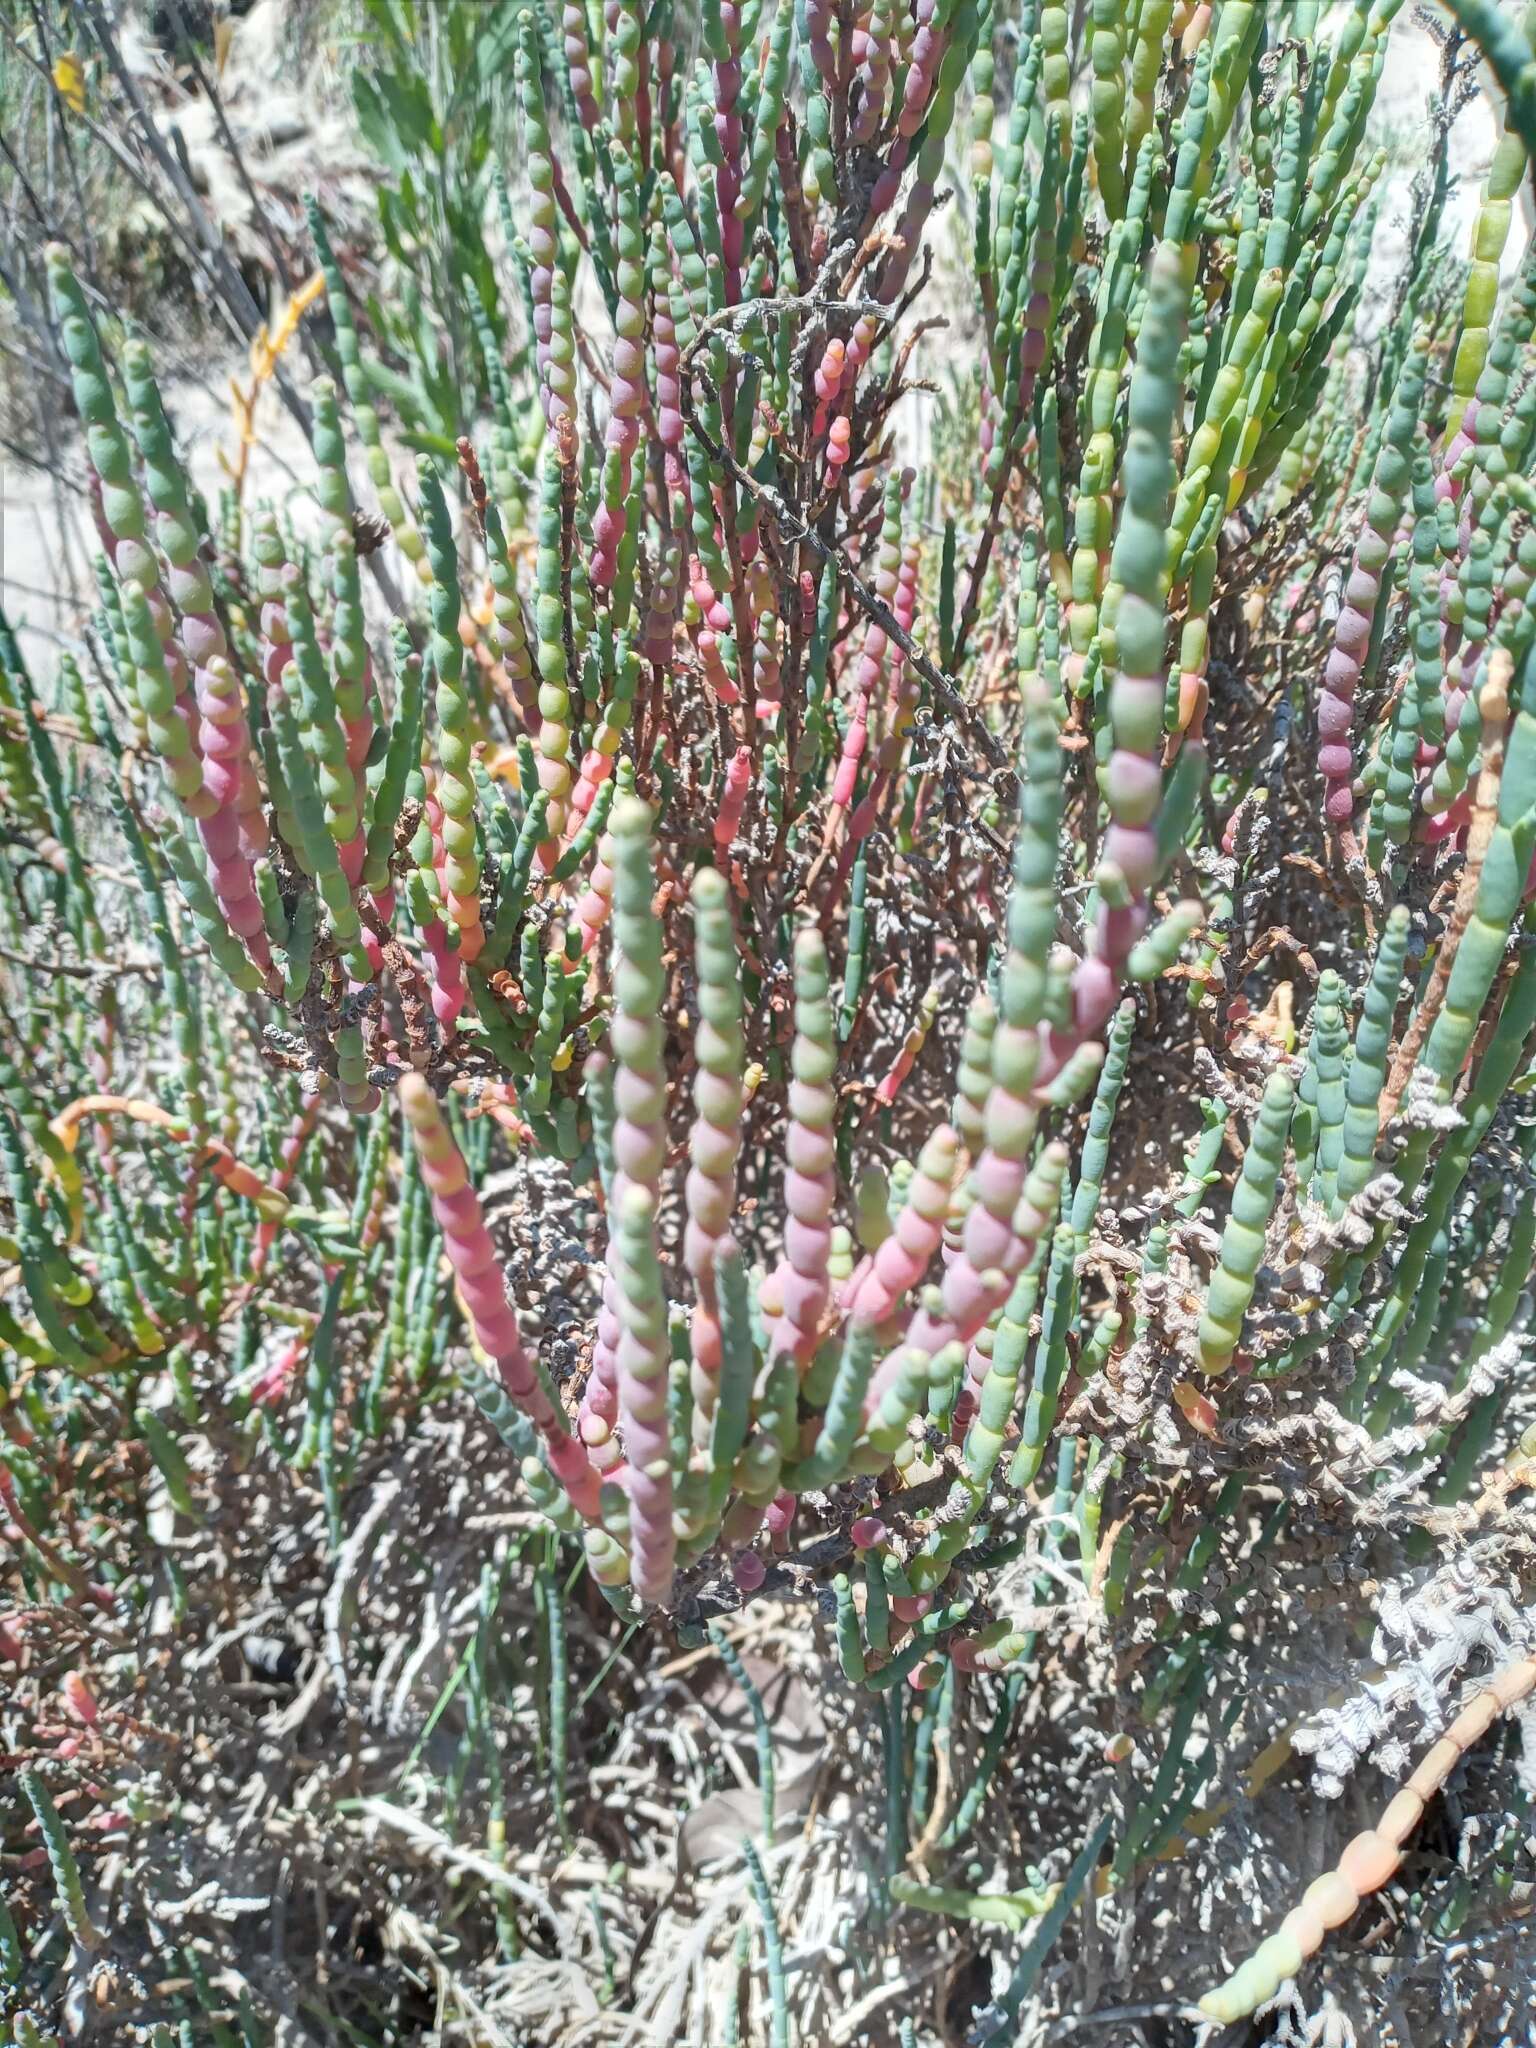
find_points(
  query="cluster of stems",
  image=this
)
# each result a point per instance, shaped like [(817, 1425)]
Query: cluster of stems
[(792, 843)]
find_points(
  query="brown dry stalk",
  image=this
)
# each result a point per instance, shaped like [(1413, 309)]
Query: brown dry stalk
[(1493, 702), (469, 464)]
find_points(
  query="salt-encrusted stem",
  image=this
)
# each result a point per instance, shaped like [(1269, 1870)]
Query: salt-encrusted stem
[(455, 745), (799, 1290), (1371, 1858), (715, 1139), (637, 1035), (1362, 594), (1243, 1240), (483, 1293)]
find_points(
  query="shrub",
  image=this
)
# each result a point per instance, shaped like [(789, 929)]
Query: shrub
[(1013, 937)]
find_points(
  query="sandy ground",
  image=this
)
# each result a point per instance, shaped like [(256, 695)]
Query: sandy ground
[(45, 574), (284, 125)]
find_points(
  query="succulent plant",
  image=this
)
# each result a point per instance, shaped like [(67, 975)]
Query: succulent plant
[(857, 924)]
